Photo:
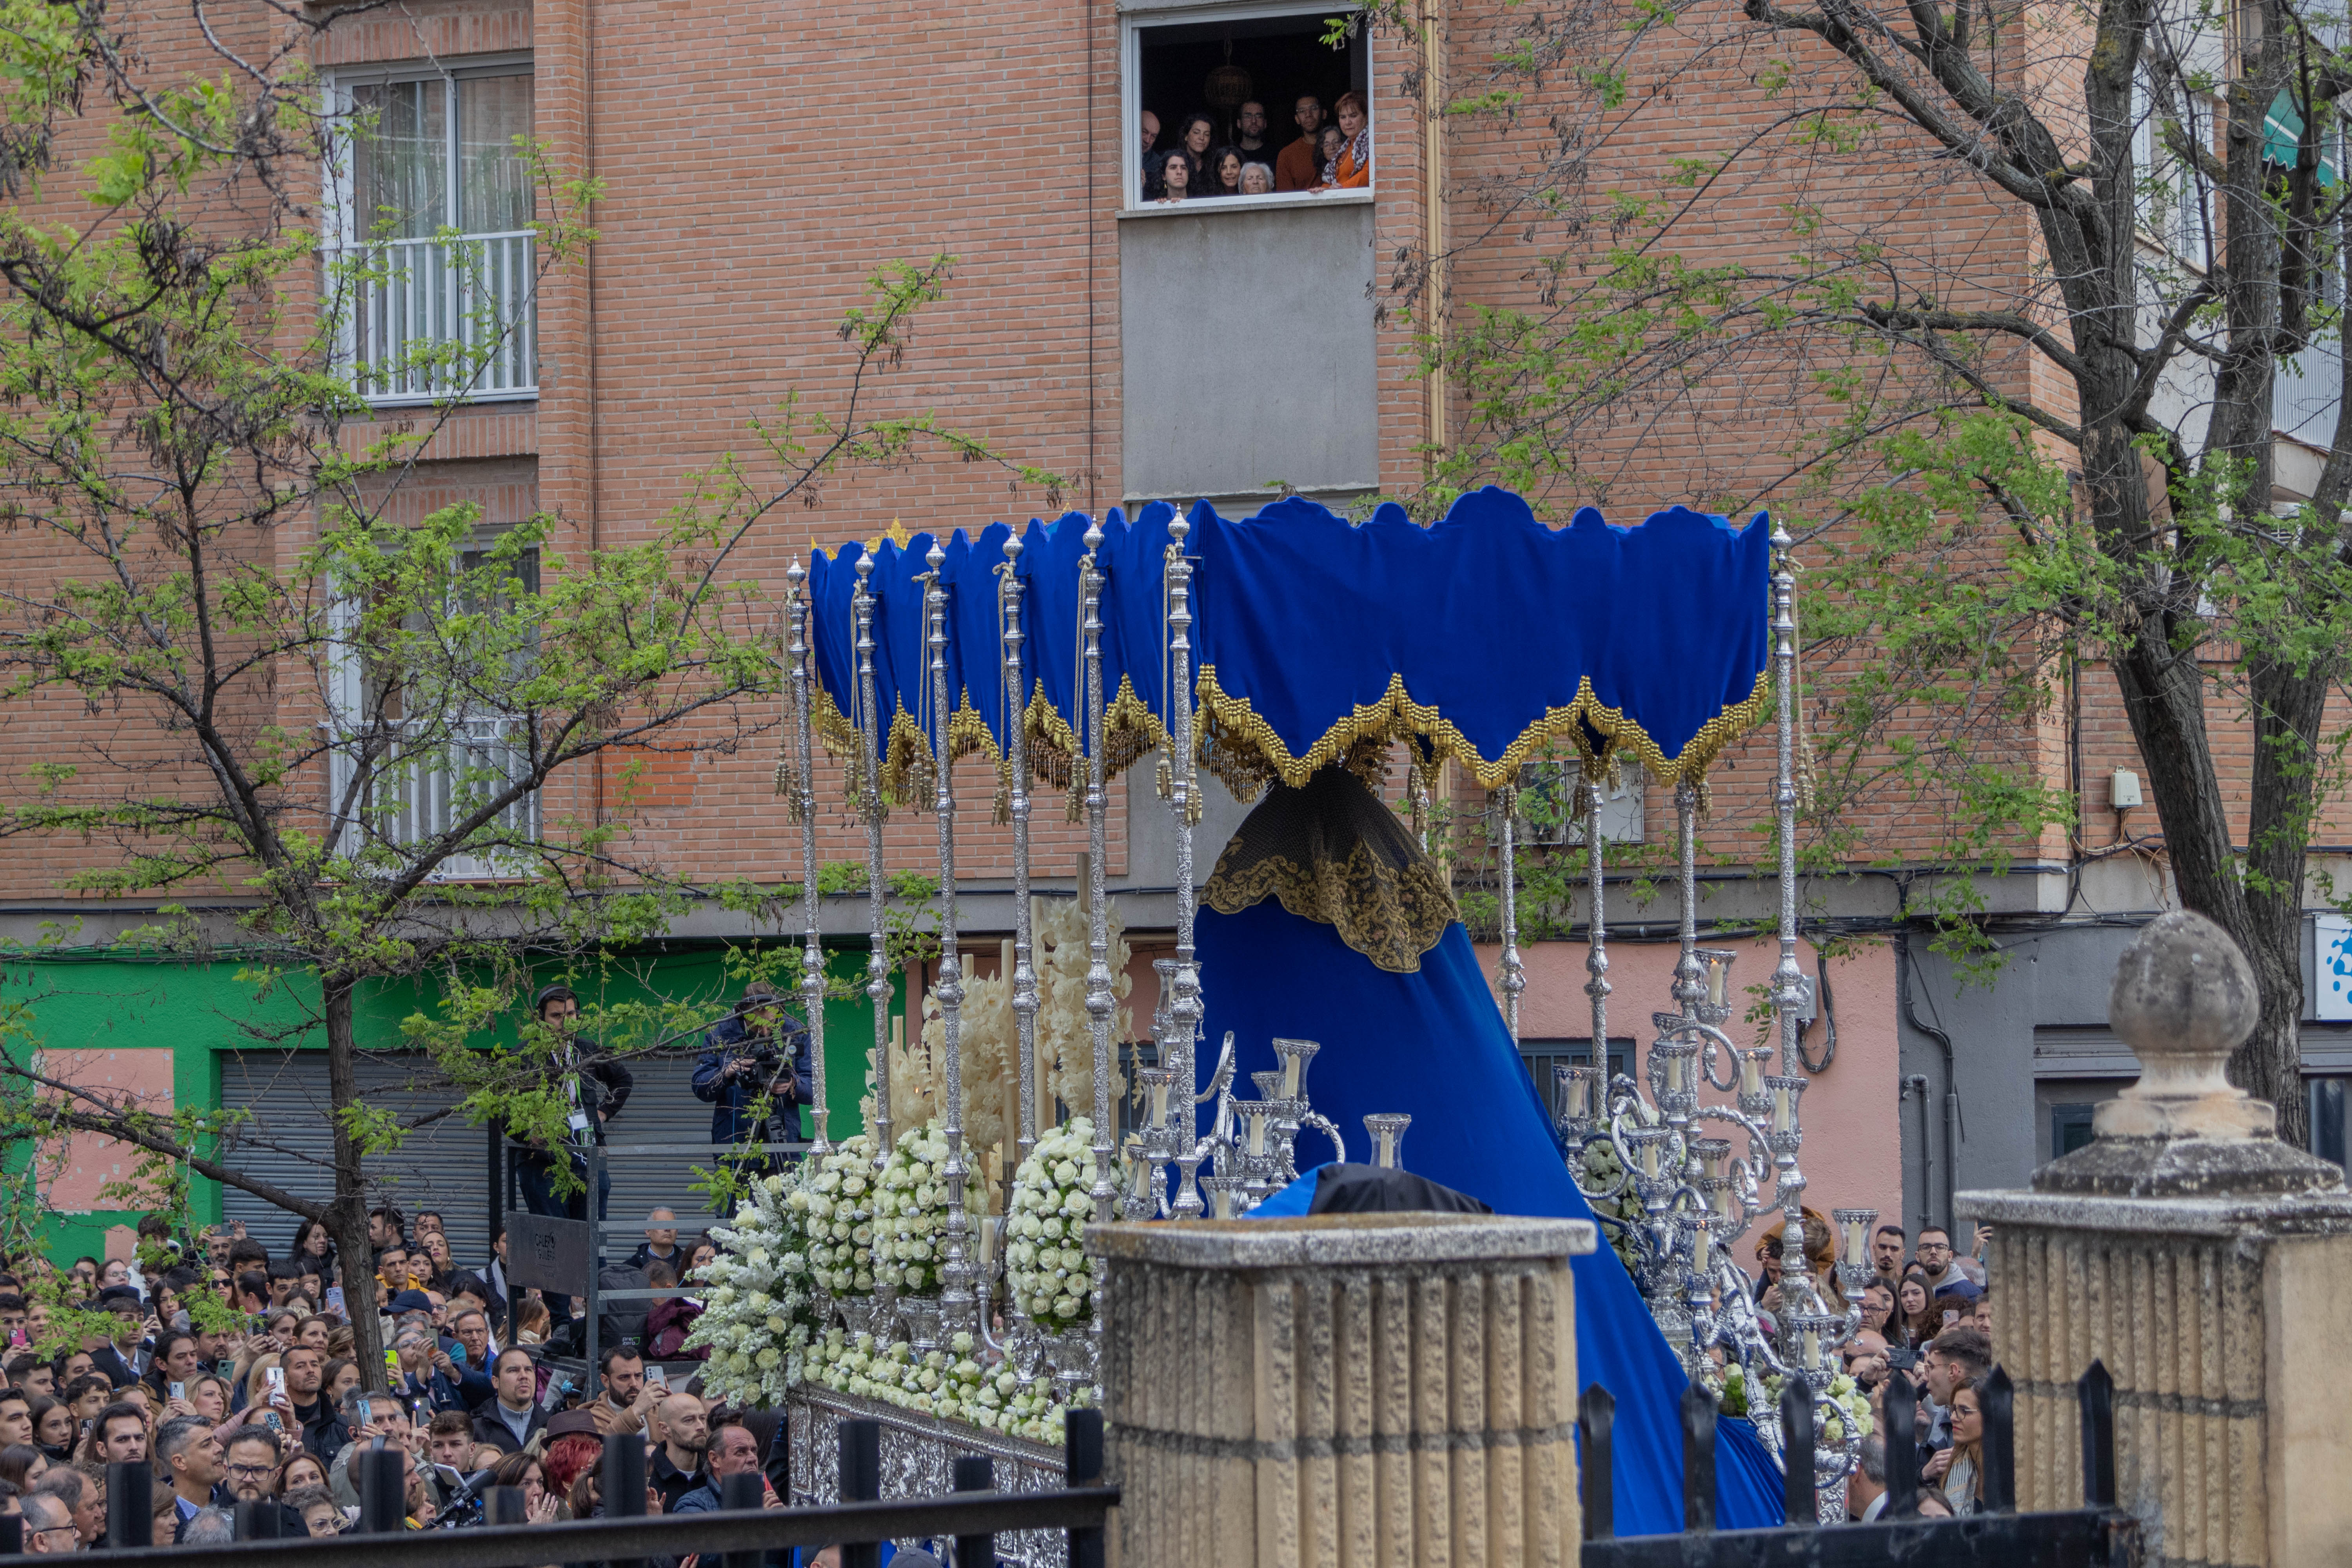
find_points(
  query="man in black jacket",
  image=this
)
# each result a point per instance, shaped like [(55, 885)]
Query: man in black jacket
[(511, 1417), (598, 1088)]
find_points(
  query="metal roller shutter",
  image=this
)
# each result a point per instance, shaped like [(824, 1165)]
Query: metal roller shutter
[(444, 1165), (662, 1113)]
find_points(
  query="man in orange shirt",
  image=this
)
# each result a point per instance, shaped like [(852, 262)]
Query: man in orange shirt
[(1300, 166)]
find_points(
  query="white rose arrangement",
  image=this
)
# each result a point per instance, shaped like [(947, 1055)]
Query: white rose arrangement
[(1848, 1404), (834, 1205), (910, 1213), (758, 1320), (1598, 1166), (1051, 1276), (950, 1384)]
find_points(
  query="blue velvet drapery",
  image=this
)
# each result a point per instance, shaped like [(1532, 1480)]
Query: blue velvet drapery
[(1433, 1044), (1484, 636)]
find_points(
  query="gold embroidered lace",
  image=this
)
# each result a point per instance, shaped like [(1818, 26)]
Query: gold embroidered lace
[(1332, 852)]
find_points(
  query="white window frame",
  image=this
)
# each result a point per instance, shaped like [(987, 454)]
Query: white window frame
[(1133, 25), (512, 253), (346, 696), (2186, 232)]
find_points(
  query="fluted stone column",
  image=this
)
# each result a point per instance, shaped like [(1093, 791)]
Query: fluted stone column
[(1348, 1389), (2208, 1265)]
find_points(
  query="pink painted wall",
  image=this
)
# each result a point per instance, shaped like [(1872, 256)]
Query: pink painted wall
[(1852, 1156), (89, 1161)]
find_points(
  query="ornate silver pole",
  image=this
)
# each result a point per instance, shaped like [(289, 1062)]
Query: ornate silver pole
[(1788, 979), (1184, 1011), (955, 1297), (1025, 973), (1099, 1001), (813, 946), (877, 967), (1515, 977), (1596, 953), (1690, 975)]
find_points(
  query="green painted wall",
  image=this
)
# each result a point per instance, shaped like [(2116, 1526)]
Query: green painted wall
[(198, 1011)]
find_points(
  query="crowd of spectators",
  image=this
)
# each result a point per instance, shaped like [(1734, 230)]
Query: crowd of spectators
[(1927, 1312), (1197, 163), (274, 1410)]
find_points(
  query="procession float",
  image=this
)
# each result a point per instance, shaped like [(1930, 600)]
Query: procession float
[(1324, 1001)]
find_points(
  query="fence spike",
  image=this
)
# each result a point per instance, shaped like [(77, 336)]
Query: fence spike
[(1799, 1503), (1998, 1402), (1902, 1447), (861, 1482), (1082, 1447), (1698, 1457), (975, 1473), (1596, 1417), (2095, 1392)]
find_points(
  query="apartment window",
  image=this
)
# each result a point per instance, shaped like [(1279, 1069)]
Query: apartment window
[(1541, 1056), (430, 726), (2175, 203), (1202, 86), (1549, 815), (434, 265)]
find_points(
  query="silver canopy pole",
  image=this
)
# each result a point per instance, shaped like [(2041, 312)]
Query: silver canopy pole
[(1515, 977), (877, 966), (1099, 1000), (1596, 953), (1016, 740), (956, 1295), (1184, 1011), (811, 945)]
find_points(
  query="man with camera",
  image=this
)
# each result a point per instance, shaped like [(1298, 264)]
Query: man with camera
[(755, 1073), (596, 1089)]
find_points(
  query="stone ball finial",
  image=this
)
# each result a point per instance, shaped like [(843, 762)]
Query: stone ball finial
[(2184, 998)]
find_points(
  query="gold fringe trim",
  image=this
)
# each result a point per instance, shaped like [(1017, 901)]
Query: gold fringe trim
[(1244, 751)]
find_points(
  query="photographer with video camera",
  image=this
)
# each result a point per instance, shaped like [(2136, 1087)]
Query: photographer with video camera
[(596, 1088), (757, 1062)]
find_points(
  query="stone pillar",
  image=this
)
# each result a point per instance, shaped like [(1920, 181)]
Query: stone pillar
[(2208, 1265), (1346, 1389)]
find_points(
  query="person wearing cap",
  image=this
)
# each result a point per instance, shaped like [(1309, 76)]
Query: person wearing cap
[(731, 1077), (598, 1088)]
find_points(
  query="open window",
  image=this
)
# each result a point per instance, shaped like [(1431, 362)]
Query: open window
[(436, 266), (1255, 95)]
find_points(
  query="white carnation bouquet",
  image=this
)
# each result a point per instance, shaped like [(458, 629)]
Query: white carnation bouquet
[(834, 1203), (949, 1382), (910, 1213), (1052, 1278), (758, 1318)]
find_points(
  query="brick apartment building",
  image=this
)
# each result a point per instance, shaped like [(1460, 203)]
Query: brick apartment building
[(760, 165)]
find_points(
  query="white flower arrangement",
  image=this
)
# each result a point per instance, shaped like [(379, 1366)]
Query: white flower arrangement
[(1848, 1403), (910, 1213), (1051, 1276), (758, 1320), (834, 1205), (1599, 1167), (950, 1384)]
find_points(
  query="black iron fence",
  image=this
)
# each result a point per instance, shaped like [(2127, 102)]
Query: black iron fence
[(2097, 1535), (739, 1535)]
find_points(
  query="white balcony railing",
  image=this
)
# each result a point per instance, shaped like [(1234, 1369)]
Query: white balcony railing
[(419, 792), (2305, 393), (476, 292)]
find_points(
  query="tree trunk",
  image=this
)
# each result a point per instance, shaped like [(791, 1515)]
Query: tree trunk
[(349, 1214), (2164, 697)]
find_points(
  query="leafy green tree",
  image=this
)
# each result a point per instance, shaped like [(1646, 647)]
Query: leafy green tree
[(1998, 306), (351, 732)]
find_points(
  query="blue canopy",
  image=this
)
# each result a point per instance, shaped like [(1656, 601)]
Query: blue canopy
[(1483, 637)]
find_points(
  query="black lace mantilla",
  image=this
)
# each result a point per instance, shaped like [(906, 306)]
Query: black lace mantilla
[(1333, 853)]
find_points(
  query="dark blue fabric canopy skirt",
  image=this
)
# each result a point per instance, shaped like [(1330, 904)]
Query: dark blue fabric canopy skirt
[(1434, 1045)]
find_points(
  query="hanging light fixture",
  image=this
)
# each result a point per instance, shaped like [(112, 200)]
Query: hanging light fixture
[(1226, 88)]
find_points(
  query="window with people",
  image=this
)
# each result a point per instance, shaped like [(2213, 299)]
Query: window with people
[(1253, 108)]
